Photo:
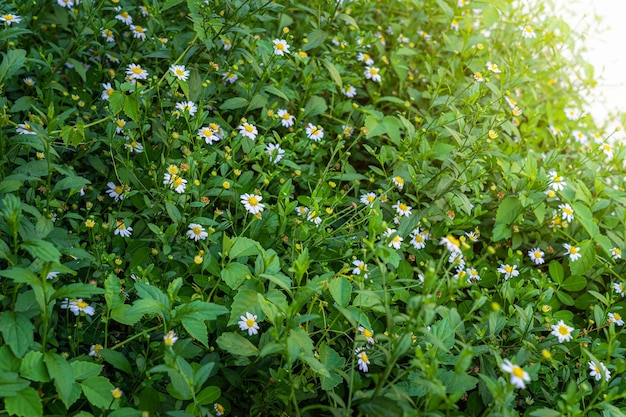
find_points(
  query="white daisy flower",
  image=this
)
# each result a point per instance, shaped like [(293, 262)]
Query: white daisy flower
[(562, 331), (187, 106), (77, 306), (599, 371), (368, 335), (249, 131), (368, 199), (180, 72), (315, 133), (196, 232), (286, 119), (116, 192), (122, 230), (25, 129), (372, 73), (616, 318), (572, 251), (281, 47), (349, 91), (248, 322), (107, 91), (135, 72), (139, 32), (567, 212), (363, 360), (519, 377), (536, 255), (418, 239), (252, 203), (275, 152), (616, 253), (572, 114), (402, 209), (125, 17), (493, 68), (360, 268)]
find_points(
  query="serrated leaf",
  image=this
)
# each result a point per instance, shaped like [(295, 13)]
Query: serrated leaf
[(77, 290), (68, 183), (196, 329), (83, 370), (42, 250), (243, 246), (17, 331), (245, 301), (236, 344), (126, 314), (98, 391), (131, 107), (585, 218), (117, 359), (331, 361), (12, 61), (32, 367), (341, 290), (315, 39), (234, 274), (116, 102), (11, 384), (125, 412), (234, 103), (61, 372), (25, 403), (314, 106)]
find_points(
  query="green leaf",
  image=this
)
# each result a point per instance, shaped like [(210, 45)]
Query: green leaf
[(77, 290), (126, 314), (17, 331), (173, 212), (574, 283), (116, 102), (234, 274), (42, 250), (508, 210), (234, 103), (83, 370), (381, 407), (12, 61), (314, 106), (585, 218), (117, 359), (315, 39), (545, 412), (125, 412), (243, 302), (25, 403), (169, 4), (32, 367), (332, 361), (236, 344), (556, 272), (79, 67), (196, 329), (98, 391), (131, 107), (587, 261), (208, 395), (334, 73), (243, 246), (61, 372), (456, 383), (11, 384), (68, 183), (341, 290)]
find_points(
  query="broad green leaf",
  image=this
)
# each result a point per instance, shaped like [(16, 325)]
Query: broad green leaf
[(334, 73), (380, 407), (236, 344), (117, 359), (77, 290), (68, 183), (200, 310), (556, 271), (243, 246), (245, 301), (585, 218), (587, 261), (42, 250), (456, 383), (341, 290), (17, 331), (208, 395), (98, 391), (315, 39), (25, 403), (235, 274), (11, 384), (574, 283), (83, 370), (331, 361), (126, 314), (169, 4), (173, 212), (126, 412), (32, 367), (234, 103), (196, 329), (314, 106), (116, 102), (508, 210), (12, 61), (61, 372), (131, 107)]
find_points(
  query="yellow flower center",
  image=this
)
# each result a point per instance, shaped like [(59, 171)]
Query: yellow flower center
[(124, 15), (253, 201), (395, 239), (82, 304), (568, 210), (366, 57), (508, 269), (363, 267), (118, 190), (373, 71), (617, 316), (286, 116), (563, 330), (419, 238), (8, 17), (139, 29), (573, 250), (370, 198), (172, 170), (367, 333), (403, 207), (177, 181), (121, 123), (180, 72), (197, 230), (518, 372), (248, 128), (280, 46), (250, 322), (364, 357)]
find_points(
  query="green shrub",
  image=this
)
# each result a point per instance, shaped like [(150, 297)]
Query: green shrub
[(323, 208)]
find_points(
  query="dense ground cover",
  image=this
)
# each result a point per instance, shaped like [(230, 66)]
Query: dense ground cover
[(320, 208)]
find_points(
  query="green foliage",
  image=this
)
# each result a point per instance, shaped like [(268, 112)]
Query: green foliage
[(239, 213)]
